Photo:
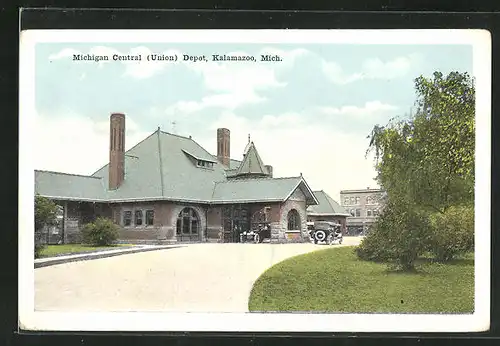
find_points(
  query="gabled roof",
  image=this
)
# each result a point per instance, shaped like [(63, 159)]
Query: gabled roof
[(162, 167), (327, 206), (252, 163), (260, 190)]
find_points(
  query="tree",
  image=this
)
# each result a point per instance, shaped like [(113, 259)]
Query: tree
[(428, 159), (45, 215), (425, 163)]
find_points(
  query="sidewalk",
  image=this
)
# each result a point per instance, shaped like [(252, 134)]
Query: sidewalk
[(48, 261)]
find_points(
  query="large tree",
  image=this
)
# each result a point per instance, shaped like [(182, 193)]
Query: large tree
[(428, 158)]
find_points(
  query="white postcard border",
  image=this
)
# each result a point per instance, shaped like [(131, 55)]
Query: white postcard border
[(254, 322)]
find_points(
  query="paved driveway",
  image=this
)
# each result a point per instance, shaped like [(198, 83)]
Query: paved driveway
[(191, 278)]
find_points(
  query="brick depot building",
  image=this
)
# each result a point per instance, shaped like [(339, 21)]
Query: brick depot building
[(168, 188)]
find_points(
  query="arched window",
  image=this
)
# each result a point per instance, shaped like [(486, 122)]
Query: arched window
[(188, 222), (293, 220)]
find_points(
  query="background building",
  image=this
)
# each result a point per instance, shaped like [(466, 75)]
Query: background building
[(364, 206)]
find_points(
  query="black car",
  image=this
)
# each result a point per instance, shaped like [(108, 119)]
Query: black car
[(263, 232), (257, 235), (325, 231)]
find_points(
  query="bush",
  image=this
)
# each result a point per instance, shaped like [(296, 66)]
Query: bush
[(452, 233), (45, 215), (400, 236), (101, 232)]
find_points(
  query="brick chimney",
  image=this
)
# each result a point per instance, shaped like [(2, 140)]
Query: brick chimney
[(223, 144), (116, 150)]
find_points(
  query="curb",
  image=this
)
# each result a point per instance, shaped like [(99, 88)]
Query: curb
[(97, 255)]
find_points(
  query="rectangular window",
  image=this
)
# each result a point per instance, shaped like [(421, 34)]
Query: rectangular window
[(358, 212), (150, 217), (138, 217), (352, 212), (346, 201), (368, 212), (357, 200), (375, 212), (352, 200), (127, 218)]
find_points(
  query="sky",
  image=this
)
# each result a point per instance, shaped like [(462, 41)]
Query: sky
[(309, 113)]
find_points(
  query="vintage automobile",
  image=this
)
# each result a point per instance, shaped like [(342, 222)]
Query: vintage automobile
[(325, 231), (257, 235), (263, 232)]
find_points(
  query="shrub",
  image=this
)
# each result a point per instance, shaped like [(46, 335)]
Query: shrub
[(452, 233), (400, 236), (45, 215), (101, 232)]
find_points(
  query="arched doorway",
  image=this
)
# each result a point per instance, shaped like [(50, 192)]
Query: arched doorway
[(188, 225), (293, 220)]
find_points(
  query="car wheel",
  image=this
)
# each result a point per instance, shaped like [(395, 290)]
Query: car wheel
[(320, 235)]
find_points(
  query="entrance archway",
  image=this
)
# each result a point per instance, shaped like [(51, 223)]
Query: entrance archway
[(188, 225)]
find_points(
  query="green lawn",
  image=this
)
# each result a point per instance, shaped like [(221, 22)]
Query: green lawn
[(334, 280), (54, 250)]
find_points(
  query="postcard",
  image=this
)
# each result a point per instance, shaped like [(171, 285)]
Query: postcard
[(255, 180)]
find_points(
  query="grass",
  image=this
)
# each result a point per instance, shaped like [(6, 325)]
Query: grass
[(335, 280), (65, 249)]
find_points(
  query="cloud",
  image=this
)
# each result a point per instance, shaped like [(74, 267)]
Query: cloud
[(236, 84), (373, 68), (370, 109), (399, 67), (73, 143), (335, 73), (227, 76), (228, 101)]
